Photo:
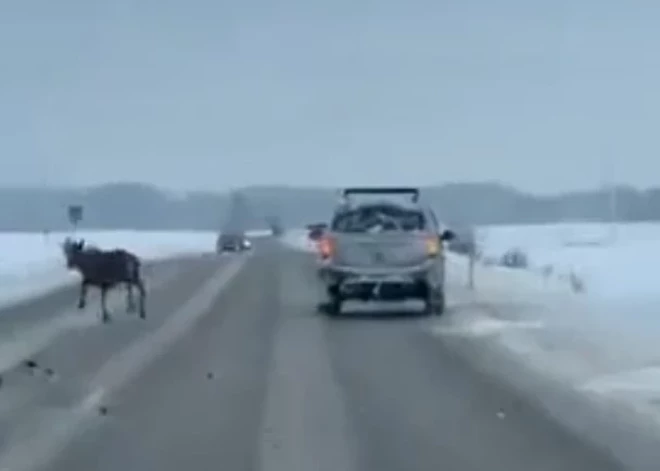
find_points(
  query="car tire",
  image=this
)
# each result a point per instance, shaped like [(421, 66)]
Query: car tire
[(439, 304), (434, 304), (333, 307)]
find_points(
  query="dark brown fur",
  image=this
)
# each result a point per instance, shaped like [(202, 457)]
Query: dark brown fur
[(105, 269)]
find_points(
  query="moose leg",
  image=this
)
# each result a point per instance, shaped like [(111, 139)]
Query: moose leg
[(130, 299), (82, 298), (105, 315), (143, 298)]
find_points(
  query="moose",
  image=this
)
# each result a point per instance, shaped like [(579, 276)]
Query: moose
[(106, 269)]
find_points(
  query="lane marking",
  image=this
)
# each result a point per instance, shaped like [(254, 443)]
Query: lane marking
[(29, 341), (93, 400), (532, 342), (560, 362), (304, 425), (482, 326), (48, 440), (643, 380), (125, 364), (42, 336)]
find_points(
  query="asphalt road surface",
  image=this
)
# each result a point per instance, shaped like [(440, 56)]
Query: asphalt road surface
[(235, 370)]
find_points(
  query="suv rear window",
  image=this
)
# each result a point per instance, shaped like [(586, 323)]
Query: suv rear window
[(379, 218)]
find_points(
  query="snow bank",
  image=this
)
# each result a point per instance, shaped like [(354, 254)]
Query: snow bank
[(597, 348), (601, 343), (297, 239), (495, 279)]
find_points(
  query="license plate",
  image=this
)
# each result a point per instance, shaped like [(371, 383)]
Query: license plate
[(385, 278)]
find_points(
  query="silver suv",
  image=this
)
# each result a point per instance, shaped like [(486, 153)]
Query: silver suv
[(384, 250)]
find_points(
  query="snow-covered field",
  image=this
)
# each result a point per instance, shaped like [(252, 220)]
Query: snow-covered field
[(32, 263), (615, 264), (602, 343)]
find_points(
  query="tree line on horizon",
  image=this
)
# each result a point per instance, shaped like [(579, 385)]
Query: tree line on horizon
[(141, 206)]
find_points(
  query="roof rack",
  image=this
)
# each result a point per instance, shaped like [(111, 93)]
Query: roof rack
[(414, 192)]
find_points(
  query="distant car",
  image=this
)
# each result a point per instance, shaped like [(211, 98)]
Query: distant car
[(384, 250), (232, 242)]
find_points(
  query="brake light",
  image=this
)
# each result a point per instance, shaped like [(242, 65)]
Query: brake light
[(433, 246), (326, 247)]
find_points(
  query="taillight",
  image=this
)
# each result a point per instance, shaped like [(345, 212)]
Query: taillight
[(433, 246), (326, 247)]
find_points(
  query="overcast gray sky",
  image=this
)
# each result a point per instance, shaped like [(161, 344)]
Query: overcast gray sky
[(211, 94)]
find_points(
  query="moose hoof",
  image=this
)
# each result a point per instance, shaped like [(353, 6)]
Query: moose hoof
[(105, 319)]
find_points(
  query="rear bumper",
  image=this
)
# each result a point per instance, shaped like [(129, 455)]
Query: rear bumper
[(394, 284), (381, 291), (340, 273), (229, 248)]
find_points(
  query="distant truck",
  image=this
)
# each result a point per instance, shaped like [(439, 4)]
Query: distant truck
[(276, 227)]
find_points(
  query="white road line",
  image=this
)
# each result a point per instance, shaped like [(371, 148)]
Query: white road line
[(531, 341), (562, 363), (28, 342), (638, 390), (50, 439), (123, 366), (643, 380), (304, 425), (481, 326), (93, 400)]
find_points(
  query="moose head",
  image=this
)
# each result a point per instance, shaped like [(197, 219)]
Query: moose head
[(71, 248)]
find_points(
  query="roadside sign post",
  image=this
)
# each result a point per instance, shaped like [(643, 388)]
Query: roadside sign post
[(471, 261), (472, 256), (75, 213)]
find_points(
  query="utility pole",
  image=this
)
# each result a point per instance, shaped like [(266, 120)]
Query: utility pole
[(472, 256), (610, 179), (613, 212)]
